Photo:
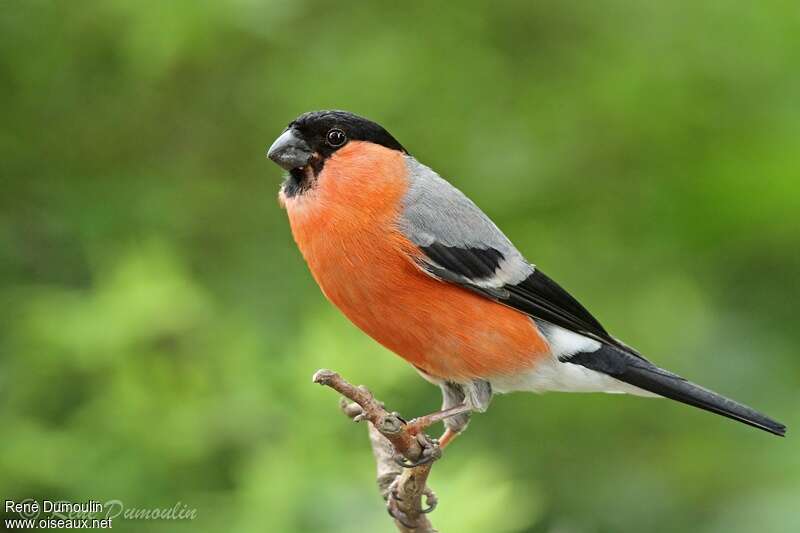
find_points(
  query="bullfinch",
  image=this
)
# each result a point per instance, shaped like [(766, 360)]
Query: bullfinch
[(416, 265)]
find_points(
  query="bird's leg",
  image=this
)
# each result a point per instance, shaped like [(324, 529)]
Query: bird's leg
[(421, 423), (447, 437), (456, 408), (459, 400), (455, 414)]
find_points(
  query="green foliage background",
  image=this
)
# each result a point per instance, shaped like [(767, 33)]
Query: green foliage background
[(158, 327)]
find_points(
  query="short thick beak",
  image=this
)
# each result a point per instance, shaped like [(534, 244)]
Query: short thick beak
[(290, 150)]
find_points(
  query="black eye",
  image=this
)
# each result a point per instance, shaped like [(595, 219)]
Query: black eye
[(336, 137)]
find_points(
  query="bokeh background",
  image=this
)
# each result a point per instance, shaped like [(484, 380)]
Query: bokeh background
[(159, 329)]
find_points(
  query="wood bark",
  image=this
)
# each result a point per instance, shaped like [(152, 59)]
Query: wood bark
[(403, 459)]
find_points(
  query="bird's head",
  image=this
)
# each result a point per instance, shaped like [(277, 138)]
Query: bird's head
[(314, 137)]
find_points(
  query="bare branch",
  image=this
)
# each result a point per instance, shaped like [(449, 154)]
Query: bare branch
[(403, 459)]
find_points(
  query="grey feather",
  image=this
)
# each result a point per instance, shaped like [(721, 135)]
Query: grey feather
[(436, 213)]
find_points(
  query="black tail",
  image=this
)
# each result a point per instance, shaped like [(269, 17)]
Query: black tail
[(637, 371)]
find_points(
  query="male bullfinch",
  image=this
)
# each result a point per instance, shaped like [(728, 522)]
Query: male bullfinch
[(421, 269)]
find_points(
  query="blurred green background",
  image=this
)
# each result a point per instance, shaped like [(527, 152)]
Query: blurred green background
[(159, 328)]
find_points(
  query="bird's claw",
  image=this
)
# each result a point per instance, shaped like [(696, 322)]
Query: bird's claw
[(392, 497), (405, 463), (430, 453), (400, 516), (430, 500)]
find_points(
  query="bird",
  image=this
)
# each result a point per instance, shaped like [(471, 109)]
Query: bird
[(420, 268)]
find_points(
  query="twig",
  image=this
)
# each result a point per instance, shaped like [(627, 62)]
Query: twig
[(396, 451)]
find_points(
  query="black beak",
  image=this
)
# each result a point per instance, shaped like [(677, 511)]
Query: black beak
[(290, 150)]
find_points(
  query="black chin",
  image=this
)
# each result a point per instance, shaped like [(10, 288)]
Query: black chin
[(301, 179), (297, 182)]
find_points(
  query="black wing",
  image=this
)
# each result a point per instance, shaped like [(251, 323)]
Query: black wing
[(542, 298), (461, 245), (536, 295)]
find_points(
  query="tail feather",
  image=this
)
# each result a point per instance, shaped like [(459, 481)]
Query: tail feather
[(639, 372)]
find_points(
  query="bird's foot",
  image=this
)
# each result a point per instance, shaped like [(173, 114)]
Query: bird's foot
[(430, 452), (393, 501)]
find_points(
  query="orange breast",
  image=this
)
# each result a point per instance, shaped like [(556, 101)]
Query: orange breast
[(346, 229)]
